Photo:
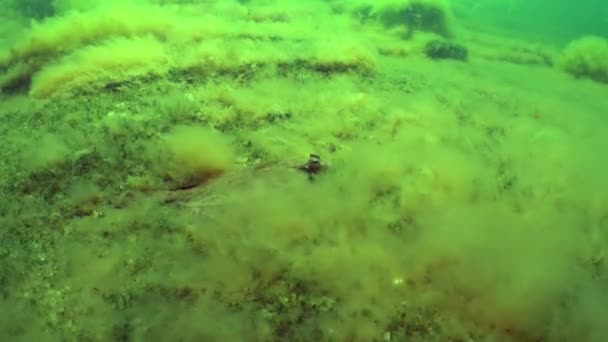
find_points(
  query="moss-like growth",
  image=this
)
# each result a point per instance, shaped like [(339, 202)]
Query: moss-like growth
[(93, 67), (16, 78), (587, 58), (434, 194), (116, 43), (419, 15), (48, 153), (441, 49), (193, 155), (415, 15)]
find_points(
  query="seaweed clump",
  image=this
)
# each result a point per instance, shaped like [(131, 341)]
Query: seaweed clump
[(419, 15), (586, 58), (441, 49)]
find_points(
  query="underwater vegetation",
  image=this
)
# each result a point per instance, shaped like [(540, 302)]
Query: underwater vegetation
[(419, 15), (323, 170), (415, 15), (587, 58), (115, 43), (441, 49)]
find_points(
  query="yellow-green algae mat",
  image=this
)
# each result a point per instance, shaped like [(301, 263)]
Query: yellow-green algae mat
[(225, 171)]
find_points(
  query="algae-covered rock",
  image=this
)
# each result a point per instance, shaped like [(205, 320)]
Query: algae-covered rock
[(442, 49), (586, 58), (415, 15), (419, 15)]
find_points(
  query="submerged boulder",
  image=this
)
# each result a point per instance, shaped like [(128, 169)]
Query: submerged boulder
[(586, 58)]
